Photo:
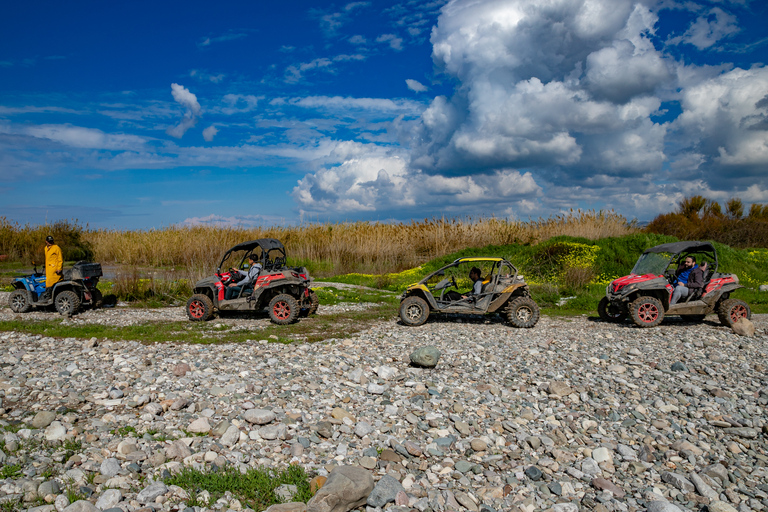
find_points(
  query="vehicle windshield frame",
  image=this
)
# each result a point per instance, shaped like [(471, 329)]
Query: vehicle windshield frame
[(652, 263)]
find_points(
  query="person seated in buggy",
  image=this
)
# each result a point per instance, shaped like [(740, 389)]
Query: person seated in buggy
[(477, 287), (246, 284), (689, 279)]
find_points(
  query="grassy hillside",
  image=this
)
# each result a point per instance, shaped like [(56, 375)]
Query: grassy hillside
[(566, 266)]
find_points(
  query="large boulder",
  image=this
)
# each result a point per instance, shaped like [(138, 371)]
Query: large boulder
[(744, 327), (425, 356), (347, 488)]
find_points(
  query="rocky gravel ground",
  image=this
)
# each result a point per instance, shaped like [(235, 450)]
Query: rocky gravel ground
[(574, 414)]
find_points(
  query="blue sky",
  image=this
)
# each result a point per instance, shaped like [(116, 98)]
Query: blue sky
[(140, 115)]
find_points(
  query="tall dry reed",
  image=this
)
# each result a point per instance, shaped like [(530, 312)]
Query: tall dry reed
[(347, 247)]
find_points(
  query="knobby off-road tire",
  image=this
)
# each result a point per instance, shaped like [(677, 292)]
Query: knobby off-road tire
[(314, 303), (67, 303), (523, 312), (199, 308), (731, 310), (609, 312), (646, 311), (283, 309), (19, 301), (414, 311)]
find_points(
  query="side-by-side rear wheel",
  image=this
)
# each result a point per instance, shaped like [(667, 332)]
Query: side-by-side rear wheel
[(19, 301), (283, 309), (414, 311), (199, 308), (646, 311), (523, 312), (610, 312), (733, 310), (313, 303)]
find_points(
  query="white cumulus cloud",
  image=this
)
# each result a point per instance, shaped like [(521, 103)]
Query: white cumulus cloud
[(192, 110), (210, 132), (415, 85)]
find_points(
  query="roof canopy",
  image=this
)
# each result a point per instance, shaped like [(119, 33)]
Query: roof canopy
[(678, 247), (266, 244)]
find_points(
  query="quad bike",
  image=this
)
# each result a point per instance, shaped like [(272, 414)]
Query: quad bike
[(503, 290), (283, 290), (76, 288), (644, 295)]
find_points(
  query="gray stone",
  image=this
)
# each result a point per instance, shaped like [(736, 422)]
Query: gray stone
[(286, 491), (259, 416), (425, 356), (744, 327), (109, 499), (601, 454), (82, 506), (231, 436), (61, 502), (178, 450), (677, 480), (200, 426), (42, 419), (347, 488), (55, 431), (565, 507), (465, 501), (376, 389), (385, 491), (153, 408), (703, 488), (746, 432), (678, 367), (288, 507), (362, 429), (110, 467), (559, 388), (48, 487), (151, 492), (221, 428), (720, 506), (533, 473), (463, 466), (662, 506)]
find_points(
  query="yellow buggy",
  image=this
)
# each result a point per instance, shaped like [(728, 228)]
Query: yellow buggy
[(503, 290)]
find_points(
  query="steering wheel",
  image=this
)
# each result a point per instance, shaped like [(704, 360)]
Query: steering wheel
[(453, 282)]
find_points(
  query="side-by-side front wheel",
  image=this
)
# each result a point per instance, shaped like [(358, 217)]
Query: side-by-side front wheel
[(646, 311), (19, 301), (733, 310), (610, 312), (283, 309), (523, 312), (414, 311), (67, 303), (199, 308)]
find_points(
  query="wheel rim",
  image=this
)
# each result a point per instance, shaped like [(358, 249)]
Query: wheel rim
[(64, 304), (18, 302), (196, 309), (648, 313), (737, 312), (281, 310), (524, 313), (413, 312), (613, 311)]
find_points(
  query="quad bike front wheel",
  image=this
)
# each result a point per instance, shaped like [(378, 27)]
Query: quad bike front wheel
[(733, 310), (609, 312), (199, 308), (19, 301), (646, 311), (283, 309), (414, 311), (314, 303), (523, 312), (67, 303)]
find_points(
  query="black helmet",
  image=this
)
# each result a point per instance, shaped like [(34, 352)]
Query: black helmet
[(49, 239)]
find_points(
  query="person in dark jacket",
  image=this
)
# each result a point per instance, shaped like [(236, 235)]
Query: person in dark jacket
[(689, 278)]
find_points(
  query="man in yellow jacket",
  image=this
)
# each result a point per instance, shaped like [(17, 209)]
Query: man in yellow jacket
[(54, 264)]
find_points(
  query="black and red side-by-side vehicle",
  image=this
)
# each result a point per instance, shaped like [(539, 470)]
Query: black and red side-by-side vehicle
[(644, 295), (284, 291)]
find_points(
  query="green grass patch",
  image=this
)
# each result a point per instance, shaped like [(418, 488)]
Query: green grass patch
[(125, 431), (312, 329), (10, 471), (254, 488)]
